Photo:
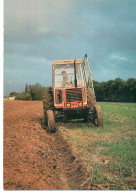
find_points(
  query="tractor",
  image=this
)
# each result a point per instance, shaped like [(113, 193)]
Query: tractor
[(72, 95)]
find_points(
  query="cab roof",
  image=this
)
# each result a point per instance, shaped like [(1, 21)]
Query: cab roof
[(67, 61)]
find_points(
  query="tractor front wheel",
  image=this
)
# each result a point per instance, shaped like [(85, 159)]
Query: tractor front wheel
[(51, 121), (98, 118)]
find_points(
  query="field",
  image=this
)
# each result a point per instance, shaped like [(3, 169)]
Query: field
[(109, 152), (34, 159), (78, 156)]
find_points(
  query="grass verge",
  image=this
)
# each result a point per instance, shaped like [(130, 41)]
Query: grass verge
[(109, 151)]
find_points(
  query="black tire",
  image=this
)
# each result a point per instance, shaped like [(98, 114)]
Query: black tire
[(65, 118), (91, 102), (48, 103), (98, 116), (51, 121)]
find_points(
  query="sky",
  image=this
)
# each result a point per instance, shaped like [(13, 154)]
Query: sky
[(37, 32)]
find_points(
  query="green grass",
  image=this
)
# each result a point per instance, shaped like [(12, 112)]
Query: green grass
[(109, 151)]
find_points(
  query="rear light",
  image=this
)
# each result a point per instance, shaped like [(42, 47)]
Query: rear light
[(80, 104), (68, 105)]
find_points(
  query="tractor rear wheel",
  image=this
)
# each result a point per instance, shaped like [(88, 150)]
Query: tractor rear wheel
[(91, 102), (98, 116), (47, 103), (51, 121)]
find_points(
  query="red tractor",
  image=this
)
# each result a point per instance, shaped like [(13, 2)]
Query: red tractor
[(72, 95)]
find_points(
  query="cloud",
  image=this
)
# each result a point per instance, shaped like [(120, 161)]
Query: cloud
[(115, 57), (52, 29), (19, 70), (27, 20), (39, 32)]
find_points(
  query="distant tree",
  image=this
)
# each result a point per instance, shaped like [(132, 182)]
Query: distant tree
[(131, 89), (24, 96), (26, 89), (13, 93), (116, 90), (27, 97), (31, 91), (36, 91), (97, 89)]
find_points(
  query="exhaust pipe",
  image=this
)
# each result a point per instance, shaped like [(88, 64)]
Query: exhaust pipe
[(75, 81)]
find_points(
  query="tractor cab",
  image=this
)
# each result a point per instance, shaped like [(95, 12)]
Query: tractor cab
[(70, 80)]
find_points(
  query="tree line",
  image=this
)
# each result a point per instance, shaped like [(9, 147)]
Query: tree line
[(116, 90), (31, 92)]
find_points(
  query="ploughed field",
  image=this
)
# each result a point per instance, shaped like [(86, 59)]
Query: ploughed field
[(34, 159), (78, 156)]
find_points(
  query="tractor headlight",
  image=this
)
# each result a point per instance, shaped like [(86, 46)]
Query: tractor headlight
[(80, 104), (68, 105)]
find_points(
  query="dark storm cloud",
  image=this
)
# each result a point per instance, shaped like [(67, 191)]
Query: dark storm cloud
[(110, 23), (64, 29), (27, 20)]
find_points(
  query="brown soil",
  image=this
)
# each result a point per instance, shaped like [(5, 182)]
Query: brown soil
[(34, 159)]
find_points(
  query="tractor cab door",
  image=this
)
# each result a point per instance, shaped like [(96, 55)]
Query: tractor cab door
[(87, 73)]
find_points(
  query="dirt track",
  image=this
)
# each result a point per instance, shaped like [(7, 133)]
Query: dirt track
[(33, 159)]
